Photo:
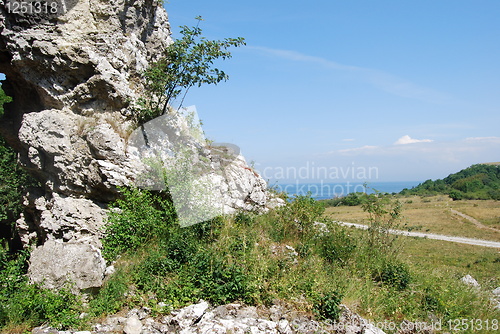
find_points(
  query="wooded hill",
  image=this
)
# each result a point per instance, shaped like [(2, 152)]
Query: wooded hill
[(481, 181)]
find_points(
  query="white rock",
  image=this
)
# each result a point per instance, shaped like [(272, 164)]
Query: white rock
[(284, 327), (188, 315), (470, 281), (55, 263), (109, 270), (133, 325)]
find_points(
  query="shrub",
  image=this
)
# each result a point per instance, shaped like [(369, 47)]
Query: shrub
[(456, 195), (244, 218), (328, 306), (299, 215), (186, 63), (209, 230), (220, 282), (384, 215), (34, 306), (112, 296), (13, 181), (337, 246), (136, 218), (395, 274)]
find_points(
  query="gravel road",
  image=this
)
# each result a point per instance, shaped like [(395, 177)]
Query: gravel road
[(469, 241)]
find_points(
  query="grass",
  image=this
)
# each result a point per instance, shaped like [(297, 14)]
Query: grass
[(457, 260), (279, 256), (434, 215)]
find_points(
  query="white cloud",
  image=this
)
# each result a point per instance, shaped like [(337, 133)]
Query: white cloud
[(348, 139), (408, 140), (380, 79), (487, 139), (359, 149), (430, 160)]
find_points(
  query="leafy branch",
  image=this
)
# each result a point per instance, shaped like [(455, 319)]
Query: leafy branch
[(187, 62)]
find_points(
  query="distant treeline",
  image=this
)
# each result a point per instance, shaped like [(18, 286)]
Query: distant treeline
[(480, 181)]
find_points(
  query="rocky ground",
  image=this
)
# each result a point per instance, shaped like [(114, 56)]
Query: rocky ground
[(231, 318), (239, 318)]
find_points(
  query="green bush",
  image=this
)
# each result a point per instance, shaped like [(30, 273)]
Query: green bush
[(456, 195), (337, 246), (13, 181), (13, 268), (112, 296), (187, 62), (209, 230), (297, 217), (136, 219), (28, 304), (395, 274), (328, 306), (219, 281), (244, 218), (35, 306)]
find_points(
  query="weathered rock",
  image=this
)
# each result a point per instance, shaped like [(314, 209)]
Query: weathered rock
[(64, 218), (233, 318), (75, 79), (133, 325), (44, 330), (470, 281), (189, 315), (496, 298), (55, 263)]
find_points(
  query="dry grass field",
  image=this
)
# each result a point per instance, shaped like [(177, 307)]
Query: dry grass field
[(439, 215), (443, 258)]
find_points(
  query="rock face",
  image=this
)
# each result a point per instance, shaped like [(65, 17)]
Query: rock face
[(75, 78)]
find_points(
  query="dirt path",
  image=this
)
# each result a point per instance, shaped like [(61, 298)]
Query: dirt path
[(473, 220), (468, 241)]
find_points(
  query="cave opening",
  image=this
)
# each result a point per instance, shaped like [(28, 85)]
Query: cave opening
[(12, 181)]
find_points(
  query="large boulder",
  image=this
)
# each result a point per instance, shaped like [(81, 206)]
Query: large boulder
[(56, 263)]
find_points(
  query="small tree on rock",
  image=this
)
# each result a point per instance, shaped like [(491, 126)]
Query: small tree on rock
[(187, 62)]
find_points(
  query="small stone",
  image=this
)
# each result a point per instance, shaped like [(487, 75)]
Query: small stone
[(143, 312), (133, 325), (109, 270), (470, 281), (44, 330), (284, 327)]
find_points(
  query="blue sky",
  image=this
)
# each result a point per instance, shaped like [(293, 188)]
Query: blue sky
[(411, 88)]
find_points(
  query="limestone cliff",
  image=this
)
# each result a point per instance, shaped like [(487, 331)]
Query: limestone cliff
[(75, 77)]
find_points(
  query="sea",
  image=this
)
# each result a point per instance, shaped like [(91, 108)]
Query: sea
[(325, 190)]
